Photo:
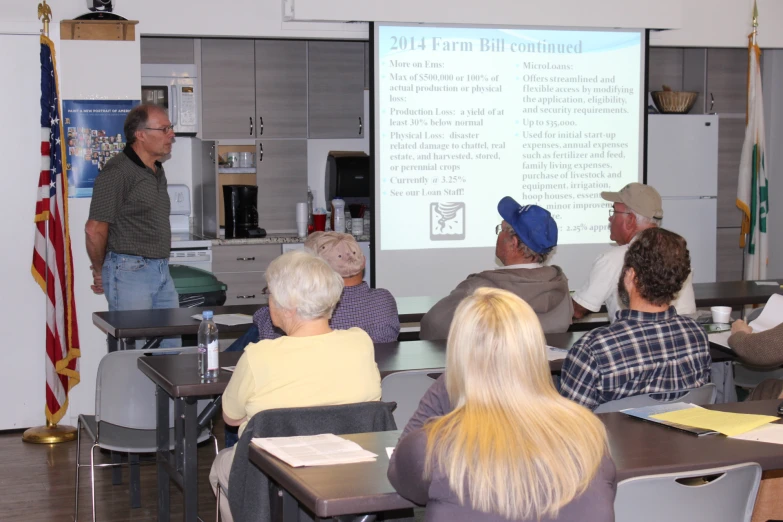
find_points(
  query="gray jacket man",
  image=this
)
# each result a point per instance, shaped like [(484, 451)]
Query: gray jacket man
[(526, 237)]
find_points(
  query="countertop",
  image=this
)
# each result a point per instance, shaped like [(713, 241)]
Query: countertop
[(271, 239)]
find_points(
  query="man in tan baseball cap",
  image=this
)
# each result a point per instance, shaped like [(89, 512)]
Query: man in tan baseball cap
[(636, 207), (341, 251)]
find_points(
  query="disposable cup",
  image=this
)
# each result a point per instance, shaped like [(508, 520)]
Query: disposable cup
[(319, 222), (721, 314)]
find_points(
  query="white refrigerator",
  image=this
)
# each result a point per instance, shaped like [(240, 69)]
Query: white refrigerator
[(682, 164)]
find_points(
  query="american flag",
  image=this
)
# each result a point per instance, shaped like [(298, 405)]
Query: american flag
[(52, 260)]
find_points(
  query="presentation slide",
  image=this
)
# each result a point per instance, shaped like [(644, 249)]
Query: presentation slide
[(466, 116)]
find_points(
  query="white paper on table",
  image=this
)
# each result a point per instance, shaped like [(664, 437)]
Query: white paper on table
[(390, 451), (766, 283), (315, 450), (555, 354), (771, 315), (228, 319), (772, 433), (721, 338)]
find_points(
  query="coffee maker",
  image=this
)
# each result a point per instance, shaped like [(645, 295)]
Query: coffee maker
[(239, 202)]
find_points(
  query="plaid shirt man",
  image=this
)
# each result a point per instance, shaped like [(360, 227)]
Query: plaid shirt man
[(374, 310), (640, 353)]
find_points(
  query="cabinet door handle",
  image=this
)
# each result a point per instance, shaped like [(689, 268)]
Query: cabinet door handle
[(212, 152), (251, 125), (246, 259), (260, 125), (246, 296), (260, 152), (360, 126)]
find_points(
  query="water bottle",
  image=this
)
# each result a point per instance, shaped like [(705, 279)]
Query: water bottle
[(208, 365), (338, 215)]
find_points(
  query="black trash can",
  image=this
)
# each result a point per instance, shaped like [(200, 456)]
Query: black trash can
[(197, 287)]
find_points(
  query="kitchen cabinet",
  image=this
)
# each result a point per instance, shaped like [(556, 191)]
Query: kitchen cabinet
[(228, 91), (241, 268), (281, 88), (167, 50), (281, 176), (254, 89), (335, 89)]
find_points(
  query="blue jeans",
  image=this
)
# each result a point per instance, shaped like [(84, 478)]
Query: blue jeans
[(139, 283)]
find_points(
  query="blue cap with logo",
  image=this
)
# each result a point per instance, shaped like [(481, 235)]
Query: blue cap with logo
[(534, 225)]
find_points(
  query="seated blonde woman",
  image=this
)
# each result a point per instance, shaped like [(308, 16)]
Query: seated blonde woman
[(505, 445), (312, 365)]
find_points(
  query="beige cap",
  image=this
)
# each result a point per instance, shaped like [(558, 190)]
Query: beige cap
[(341, 251), (642, 199)]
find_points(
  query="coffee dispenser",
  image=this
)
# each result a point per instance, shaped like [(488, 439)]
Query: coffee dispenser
[(240, 204)]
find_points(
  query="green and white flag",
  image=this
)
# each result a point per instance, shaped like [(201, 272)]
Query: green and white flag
[(752, 190)]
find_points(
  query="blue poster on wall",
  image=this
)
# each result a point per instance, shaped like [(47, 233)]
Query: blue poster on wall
[(93, 130)]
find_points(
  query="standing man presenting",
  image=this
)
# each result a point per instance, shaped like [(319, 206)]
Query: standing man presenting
[(128, 231)]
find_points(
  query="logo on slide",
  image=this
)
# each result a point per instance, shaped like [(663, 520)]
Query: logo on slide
[(447, 221)]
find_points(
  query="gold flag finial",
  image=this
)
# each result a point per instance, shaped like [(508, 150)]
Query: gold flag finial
[(755, 14), (44, 14)]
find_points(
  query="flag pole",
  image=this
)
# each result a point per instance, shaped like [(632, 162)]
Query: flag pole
[(51, 433), (753, 34)]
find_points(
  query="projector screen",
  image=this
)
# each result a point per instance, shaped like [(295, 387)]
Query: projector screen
[(464, 116)]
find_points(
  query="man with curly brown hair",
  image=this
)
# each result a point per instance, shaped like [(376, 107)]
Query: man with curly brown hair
[(650, 348)]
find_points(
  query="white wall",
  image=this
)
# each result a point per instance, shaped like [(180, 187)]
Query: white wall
[(696, 23), (572, 13), (24, 383)]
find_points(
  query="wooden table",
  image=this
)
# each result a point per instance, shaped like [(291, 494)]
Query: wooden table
[(123, 327), (637, 447), (725, 293), (176, 376)]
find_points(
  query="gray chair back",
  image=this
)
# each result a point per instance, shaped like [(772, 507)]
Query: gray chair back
[(126, 397), (725, 494), (700, 396), (406, 389)]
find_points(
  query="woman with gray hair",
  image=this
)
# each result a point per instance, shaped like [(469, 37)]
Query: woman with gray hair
[(312, 365)]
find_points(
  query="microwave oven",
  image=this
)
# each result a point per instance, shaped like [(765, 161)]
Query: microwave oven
[(175, 89)]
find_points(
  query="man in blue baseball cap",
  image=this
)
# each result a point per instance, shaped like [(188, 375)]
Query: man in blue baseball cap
[(526, 238)]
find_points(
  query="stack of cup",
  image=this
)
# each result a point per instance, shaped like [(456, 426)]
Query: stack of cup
[(301, 219)]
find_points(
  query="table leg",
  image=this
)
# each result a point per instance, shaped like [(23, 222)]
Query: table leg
[(290, 508), (162, 436), (186, 433)]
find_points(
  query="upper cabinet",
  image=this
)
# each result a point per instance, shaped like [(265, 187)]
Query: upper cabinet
[(267, 89), (228, 94), (335, 89), (281, 88), (167, 50), (254, 89)]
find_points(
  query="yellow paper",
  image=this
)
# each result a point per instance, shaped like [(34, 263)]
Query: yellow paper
[(729, 424)]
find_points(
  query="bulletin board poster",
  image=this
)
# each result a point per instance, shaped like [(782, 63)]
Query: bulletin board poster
[(94, 135)]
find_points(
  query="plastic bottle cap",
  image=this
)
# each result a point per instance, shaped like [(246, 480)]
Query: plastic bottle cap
[(206, 314)]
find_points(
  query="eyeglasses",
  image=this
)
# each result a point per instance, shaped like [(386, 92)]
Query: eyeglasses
[(499, 229), (612, 212), (167, 128)]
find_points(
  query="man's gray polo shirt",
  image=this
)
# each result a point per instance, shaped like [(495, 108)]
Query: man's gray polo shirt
[(134, 200)]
